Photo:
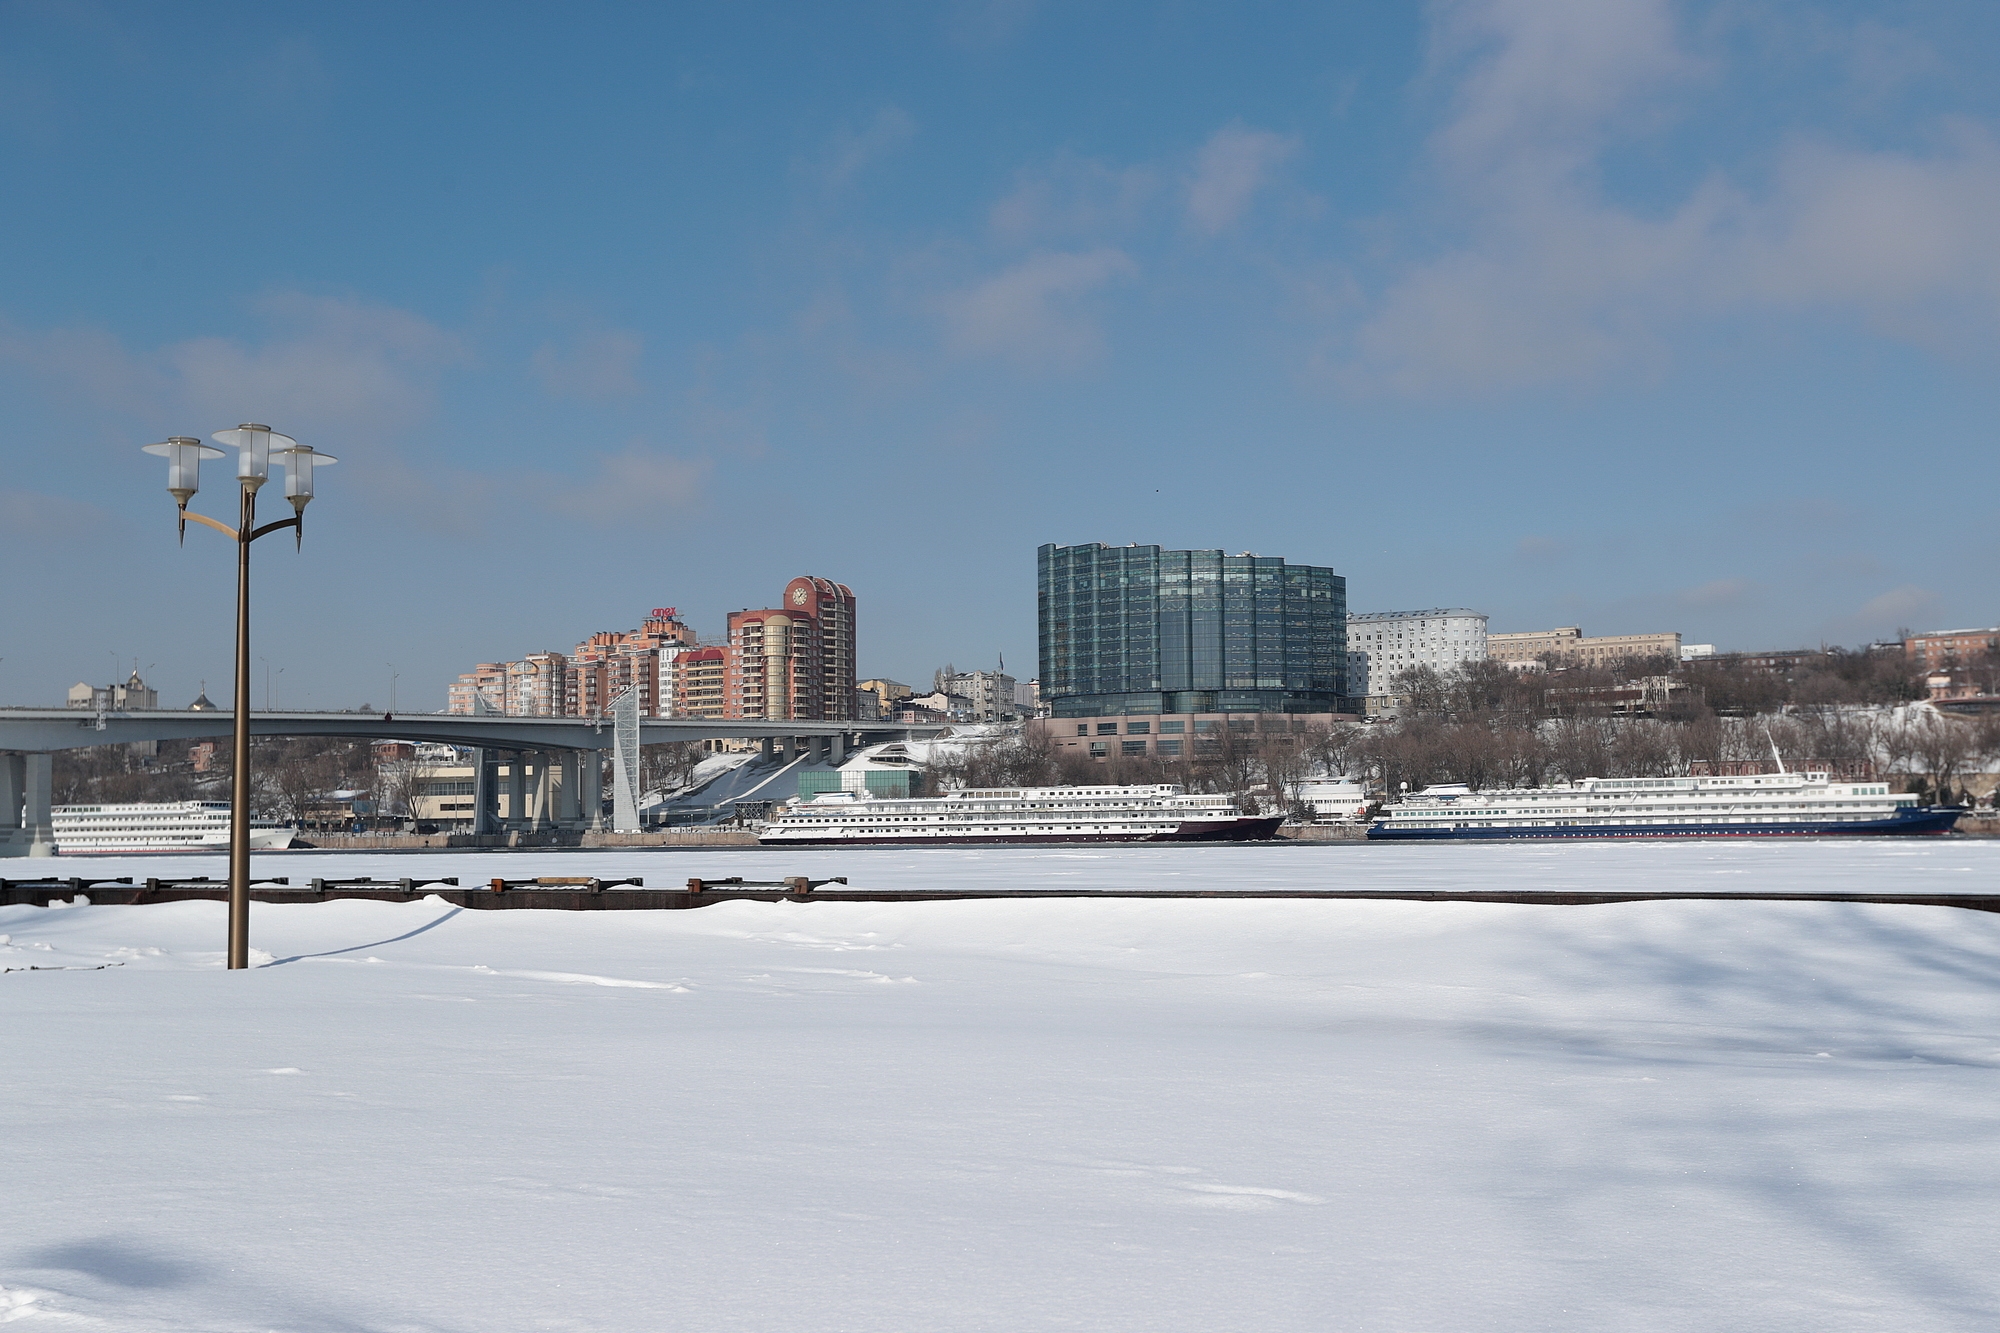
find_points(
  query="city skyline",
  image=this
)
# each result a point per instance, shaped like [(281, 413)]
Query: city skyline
[(1639, 315)]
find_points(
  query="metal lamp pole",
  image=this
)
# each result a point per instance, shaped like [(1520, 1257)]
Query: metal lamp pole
[(255, 445)]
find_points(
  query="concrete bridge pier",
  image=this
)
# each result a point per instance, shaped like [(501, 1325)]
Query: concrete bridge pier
[(569, 810), (769, 748), (485, 792), (836, 749), (591, 789), (25, 788), (542, 792), (517, 790), (791, 748)]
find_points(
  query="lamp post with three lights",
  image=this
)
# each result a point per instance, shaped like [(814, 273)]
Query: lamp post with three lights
[(256, 447)]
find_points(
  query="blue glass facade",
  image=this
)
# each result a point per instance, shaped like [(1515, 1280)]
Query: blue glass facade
[(1135, 629)]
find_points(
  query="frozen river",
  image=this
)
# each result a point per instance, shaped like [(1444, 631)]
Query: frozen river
[(1882, 865), (1288, 1116)]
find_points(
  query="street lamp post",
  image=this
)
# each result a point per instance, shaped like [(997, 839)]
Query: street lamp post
[(255, 445)]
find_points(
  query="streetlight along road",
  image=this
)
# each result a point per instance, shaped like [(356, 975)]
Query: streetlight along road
[(254, 445)]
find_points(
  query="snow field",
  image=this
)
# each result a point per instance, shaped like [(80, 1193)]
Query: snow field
[(1073, 1114), (1905, 865)]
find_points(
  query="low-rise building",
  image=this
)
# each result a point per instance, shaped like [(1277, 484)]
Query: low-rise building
[(132, 695), (1569, 646), (1184, 735), (1947, 647), (991, 693), (888, 694), (942, 706)]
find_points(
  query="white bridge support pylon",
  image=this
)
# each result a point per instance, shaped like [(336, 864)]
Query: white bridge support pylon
[(625, 763)]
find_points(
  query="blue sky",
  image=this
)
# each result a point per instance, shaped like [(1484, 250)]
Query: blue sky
[(1623, 313)]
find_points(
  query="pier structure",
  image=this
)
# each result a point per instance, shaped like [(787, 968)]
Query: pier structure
[(550, 765)]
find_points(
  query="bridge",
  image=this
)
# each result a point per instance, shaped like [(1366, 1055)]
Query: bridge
[(548, 784)]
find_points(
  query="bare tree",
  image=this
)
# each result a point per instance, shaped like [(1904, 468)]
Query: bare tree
[(1941, 746), (401, 786), (668, 765)]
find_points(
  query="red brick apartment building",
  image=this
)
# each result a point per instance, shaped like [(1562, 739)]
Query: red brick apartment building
[(1946, 647), (792, 662)]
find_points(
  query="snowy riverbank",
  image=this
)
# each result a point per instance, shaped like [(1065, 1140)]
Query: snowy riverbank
[(1112, 1115)]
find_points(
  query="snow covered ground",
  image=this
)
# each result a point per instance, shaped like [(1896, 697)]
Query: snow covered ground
[(1091, 1115), (1889, 865)]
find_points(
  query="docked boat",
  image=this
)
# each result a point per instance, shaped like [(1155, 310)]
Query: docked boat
[(1771, 805), (1158, 813), (156, 826)]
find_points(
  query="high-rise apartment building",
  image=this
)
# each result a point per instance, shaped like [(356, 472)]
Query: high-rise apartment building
[(1137, 630), (793, 662), (699, 679), (485, 686), (610, 662), (582, 684), (1383, 644)]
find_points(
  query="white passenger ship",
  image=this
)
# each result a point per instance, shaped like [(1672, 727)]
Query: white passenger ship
[(1161, 813), (1770, 805), (157, 826)]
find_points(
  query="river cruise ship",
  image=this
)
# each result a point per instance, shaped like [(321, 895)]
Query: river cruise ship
[(1161, 813), (1772, 805), (156, 826)]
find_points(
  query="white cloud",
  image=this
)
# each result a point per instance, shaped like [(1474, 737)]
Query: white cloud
[(1549, 75), (325, 363), (1072, 197), (331, 362), (1716, 593), (1231, 167), (1552, 280), (600, 365), (1905, 607), (1033, 311), (850, 150), (636, 482), (984, 25)]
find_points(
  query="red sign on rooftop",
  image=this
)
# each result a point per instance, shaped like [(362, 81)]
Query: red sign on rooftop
[(665, 612)]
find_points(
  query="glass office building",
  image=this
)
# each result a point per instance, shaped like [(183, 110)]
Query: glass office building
[(1128, 630)]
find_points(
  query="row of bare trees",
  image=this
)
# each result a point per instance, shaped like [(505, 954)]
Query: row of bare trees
[(1733, 686), (1933, 753), (1266, 755), (292, 776)]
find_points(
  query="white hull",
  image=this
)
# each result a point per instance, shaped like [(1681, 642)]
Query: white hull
[(1768, 805), (155, 828), (1022, 815)]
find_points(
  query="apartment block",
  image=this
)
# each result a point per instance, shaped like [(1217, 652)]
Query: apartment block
[(1383, 644), (1569, 646)]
